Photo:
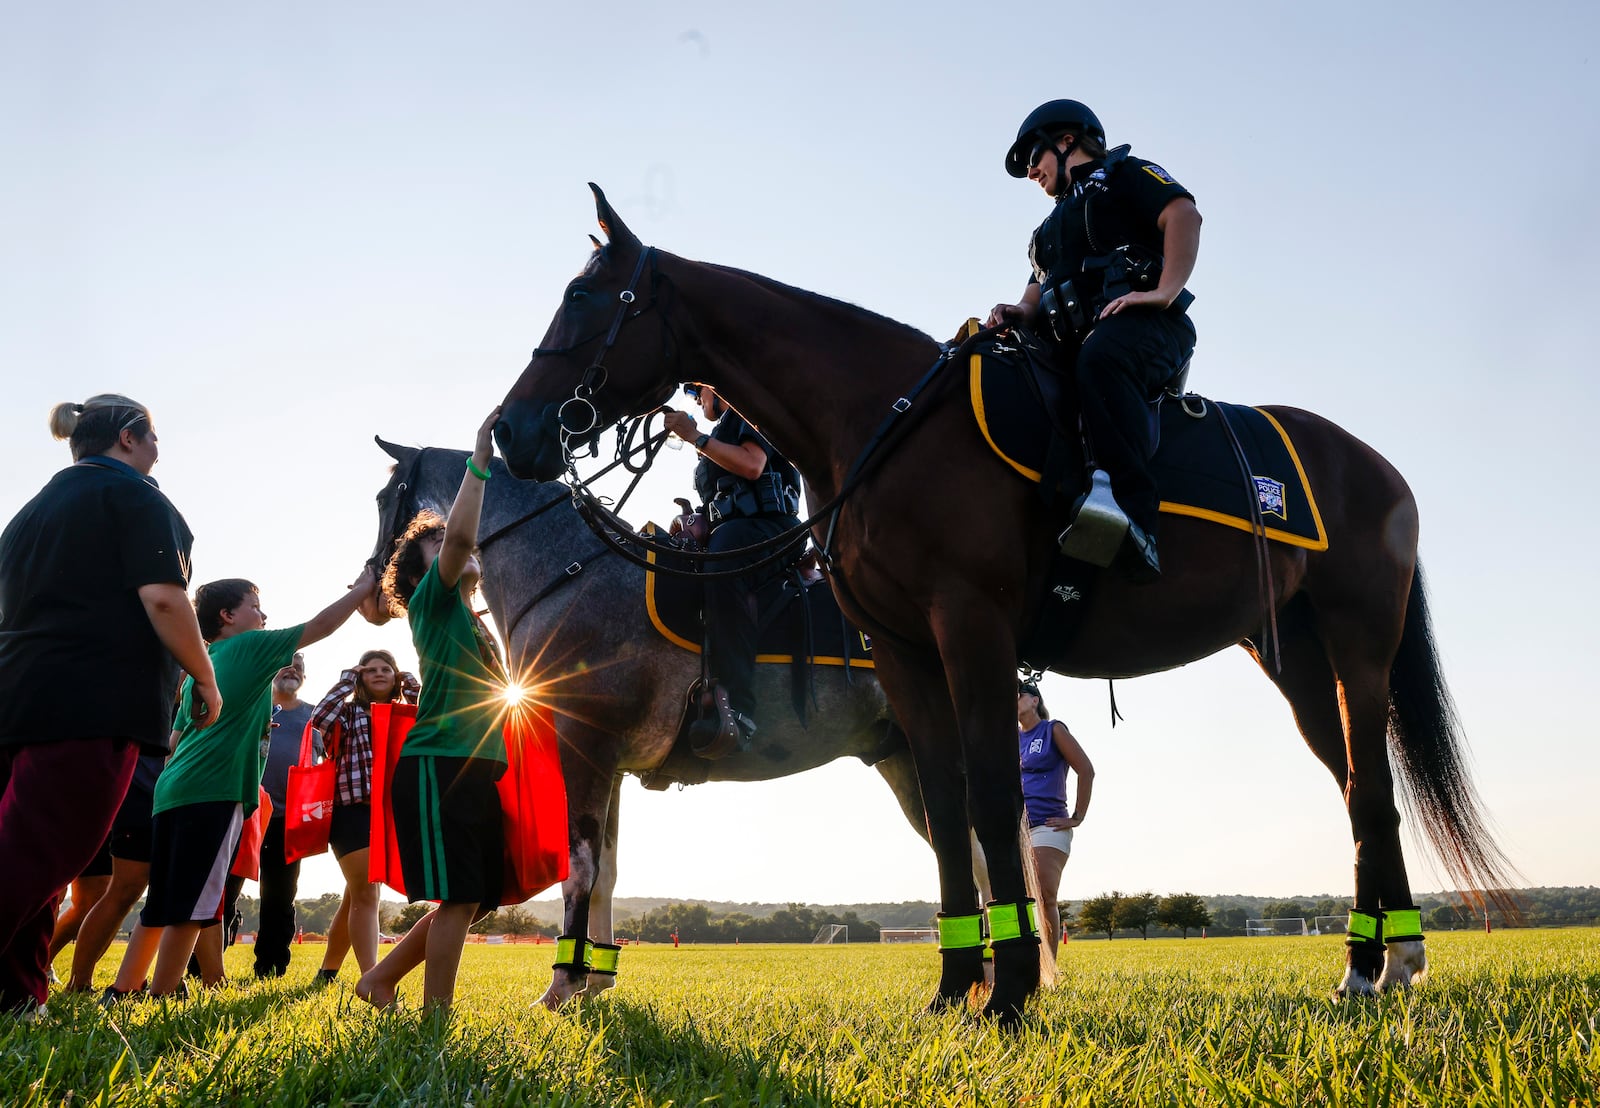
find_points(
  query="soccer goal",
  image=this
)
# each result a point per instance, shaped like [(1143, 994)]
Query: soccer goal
[(908, 935), (833, 933), (1295, 925), (1328, 925)]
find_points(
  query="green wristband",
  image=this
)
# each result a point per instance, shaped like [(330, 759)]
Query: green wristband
[(1402, 924), (1361, 926), (472, 468), (960, 932)]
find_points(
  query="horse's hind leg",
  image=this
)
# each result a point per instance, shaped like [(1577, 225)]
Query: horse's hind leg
[(600, 920), (917, 691), (1307, 682), (1361, 625)]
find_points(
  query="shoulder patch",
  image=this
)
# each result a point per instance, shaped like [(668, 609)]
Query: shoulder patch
[(1158, 173)]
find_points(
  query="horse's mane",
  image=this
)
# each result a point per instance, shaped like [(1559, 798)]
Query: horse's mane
[(806, 296)]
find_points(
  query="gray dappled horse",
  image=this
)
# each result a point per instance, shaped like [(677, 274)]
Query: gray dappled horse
[(616, 686)]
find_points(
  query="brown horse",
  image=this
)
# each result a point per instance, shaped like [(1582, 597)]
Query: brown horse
[(948, 604)]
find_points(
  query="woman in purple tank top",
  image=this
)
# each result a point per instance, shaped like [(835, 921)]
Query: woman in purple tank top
[(1048, 750)]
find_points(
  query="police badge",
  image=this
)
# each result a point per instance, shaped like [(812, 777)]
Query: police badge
[(1270, 495)]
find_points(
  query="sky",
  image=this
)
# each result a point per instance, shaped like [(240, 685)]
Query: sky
[(288, 228)]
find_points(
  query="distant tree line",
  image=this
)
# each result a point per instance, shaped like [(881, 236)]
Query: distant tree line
[(694, 923), (1108, 914)]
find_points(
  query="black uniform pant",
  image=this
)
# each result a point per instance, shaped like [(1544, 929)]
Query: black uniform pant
[(279, 881), (731, 607), (1121, 367)]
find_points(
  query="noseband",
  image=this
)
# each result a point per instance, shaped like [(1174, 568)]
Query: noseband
[(581, 402)]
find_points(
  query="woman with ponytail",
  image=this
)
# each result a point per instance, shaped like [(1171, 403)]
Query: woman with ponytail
[(93, 578), (375, 679)]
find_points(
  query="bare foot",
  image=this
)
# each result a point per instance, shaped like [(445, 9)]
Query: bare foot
[(379, 994)]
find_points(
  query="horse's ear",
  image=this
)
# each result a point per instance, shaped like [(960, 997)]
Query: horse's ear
[(597, 242), (614, 228), (398, 453)]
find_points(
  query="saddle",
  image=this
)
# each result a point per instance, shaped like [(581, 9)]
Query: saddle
[(1016, 390), (800, 626)]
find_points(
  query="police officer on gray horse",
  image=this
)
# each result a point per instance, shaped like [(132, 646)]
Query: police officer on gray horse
[(1109, 266), (749, 493)]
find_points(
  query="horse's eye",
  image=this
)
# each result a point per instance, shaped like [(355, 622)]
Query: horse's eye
[(577, 294)]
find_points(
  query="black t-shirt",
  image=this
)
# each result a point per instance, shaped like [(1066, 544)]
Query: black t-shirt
[(78, 655), (1103, 210)]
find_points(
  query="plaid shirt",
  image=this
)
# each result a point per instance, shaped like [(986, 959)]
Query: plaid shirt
[(353, 777)]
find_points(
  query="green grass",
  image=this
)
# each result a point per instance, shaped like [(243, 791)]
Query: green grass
[(1509, 1018)]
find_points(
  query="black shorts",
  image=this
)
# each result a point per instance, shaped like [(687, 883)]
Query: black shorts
[(192, 848), (448, 826), (351, 829), (130, 831), (100, 864)]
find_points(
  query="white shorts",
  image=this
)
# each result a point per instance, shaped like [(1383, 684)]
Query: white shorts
[(1056, 838)]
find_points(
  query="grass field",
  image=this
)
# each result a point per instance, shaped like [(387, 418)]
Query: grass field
[(1508, 1018)]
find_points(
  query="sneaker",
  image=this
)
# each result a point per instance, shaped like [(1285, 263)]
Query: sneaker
[(112, 996)]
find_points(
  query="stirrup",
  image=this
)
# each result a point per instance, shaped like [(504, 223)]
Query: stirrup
[(720, 730), (1099, 525)]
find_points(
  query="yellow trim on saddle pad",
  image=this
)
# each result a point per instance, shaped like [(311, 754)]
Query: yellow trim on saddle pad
[(694, 647), (975, 388)]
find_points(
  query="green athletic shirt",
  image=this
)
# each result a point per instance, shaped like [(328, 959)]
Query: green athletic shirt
[(462, 706), (224, 762)]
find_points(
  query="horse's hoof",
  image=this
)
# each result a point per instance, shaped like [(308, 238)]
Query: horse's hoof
[(1405, 963), (1355, 984), (599, 983), (559, 993), (1006, 1017)]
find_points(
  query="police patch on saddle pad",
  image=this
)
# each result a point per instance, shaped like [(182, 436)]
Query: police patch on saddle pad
[(794, 621), (1195, 467)]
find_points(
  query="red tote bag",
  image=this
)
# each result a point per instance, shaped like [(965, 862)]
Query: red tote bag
[(247, 856), (533, 799), (308, 798)]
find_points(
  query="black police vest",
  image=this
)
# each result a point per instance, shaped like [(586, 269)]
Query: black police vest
[(739, 496), (1086, 225)]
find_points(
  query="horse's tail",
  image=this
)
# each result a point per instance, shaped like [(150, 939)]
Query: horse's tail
[(1436, 784)]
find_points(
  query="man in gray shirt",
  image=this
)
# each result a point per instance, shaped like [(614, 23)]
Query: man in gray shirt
[(280, 879)]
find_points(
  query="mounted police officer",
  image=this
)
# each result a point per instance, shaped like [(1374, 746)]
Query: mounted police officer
[(1109, 266), (750, 493)]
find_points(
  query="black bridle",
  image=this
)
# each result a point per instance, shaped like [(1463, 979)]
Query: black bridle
[(595, 377)]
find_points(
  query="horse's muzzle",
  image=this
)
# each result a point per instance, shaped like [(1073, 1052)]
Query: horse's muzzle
[(530, 441)]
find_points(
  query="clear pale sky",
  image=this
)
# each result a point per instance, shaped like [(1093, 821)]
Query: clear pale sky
[(289, 228)]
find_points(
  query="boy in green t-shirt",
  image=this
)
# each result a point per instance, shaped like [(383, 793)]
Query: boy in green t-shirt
[(212, 781), (447, 816)]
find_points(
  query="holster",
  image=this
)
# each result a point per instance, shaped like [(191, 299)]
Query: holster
[(690, 528)]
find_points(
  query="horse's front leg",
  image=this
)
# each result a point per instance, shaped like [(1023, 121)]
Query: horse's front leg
[(980, 659), (916, 689), (589, 778)]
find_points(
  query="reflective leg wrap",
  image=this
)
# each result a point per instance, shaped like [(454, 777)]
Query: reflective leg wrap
[(1402, 925), (604, 958), (1362, 928), (1014, 923), (571, 956), (960, 932)]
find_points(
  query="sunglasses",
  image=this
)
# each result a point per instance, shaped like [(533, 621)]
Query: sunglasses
[(1039, 150)]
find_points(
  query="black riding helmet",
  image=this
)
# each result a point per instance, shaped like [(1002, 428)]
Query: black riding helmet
[(1046, 122)]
